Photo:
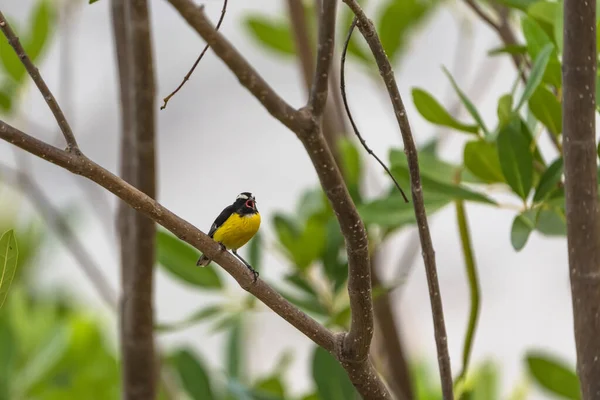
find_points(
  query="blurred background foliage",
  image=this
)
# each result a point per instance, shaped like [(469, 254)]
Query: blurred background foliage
[(51, 347)]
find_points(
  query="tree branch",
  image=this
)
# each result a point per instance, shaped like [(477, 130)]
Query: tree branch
[(137, 315), (81, 165), (385, 69), (581, 190), (247, 76), (325, 46), (352, 348), (191, 71), (39, 82), (332, 122)]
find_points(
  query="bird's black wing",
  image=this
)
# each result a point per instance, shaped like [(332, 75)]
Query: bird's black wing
[(226, 213)]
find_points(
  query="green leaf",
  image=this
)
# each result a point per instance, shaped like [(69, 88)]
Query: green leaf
[(179, 259), (552, 222), (9, 254), (511, 49), (537, 40), (5, 100), (351, 166), (255, 251), (536, 74), (392, 212), (516, 161), (40, 23), (431, 166), (192, 372), (486, 385), (547, 109), (235, 350), (92, 1), (544, 11), (522, 226), (549, 180), (200, 315), (274, 35), (303, 246), (8, 358), (505, 108), (330, 378), (553, 375), (481, 158), (435, 113), (272, 386), (300, 283), (522, 5), (467, 103), (45, 359), (397, 20)]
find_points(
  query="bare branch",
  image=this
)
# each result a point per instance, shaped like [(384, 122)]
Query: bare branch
[(83, 166), (138, 241), (39, 82), (581, 189), (247, 76), (191, 71), (354, 127), (333, 123), (325, 46), (385, 69)]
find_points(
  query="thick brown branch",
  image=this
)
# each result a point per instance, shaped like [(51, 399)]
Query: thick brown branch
[(325, 46), (39, 82), (581, 191), (357, 341), (142, 203), (191, 71), (138, 241), (385, 69), (247, 76)]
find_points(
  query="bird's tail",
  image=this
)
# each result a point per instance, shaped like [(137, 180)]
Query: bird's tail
[(203, 261)]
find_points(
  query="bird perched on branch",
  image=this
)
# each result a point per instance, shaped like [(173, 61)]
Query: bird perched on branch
[(234, 227)]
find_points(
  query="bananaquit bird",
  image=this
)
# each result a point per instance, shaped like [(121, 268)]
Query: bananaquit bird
[(234, 227)]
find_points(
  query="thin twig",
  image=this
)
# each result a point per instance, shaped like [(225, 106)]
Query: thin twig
[(385, 69), (191, 71), (465, 238), (34, 73), (345, 100)]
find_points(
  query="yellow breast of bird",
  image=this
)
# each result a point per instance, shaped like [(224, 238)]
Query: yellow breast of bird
[(237, 230)]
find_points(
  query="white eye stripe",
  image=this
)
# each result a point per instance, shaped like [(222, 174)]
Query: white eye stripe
[(242, 196)]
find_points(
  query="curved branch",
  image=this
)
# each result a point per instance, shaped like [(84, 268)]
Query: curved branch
[(245, 73), (41, 85), (385, 69), (347, 108), (191, 71), (144, 204)]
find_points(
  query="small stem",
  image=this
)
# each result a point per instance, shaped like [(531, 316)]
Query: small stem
[(474, 288)]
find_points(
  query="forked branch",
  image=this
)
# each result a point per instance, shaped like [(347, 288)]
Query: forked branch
[(385, 69)]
